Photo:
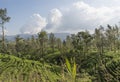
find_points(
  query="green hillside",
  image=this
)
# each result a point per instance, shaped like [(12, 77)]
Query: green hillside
[(14, 69)]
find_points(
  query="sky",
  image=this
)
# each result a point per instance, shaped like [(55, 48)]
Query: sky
[(57, 16)]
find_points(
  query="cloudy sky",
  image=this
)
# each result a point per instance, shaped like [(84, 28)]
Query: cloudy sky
[(71, 16)]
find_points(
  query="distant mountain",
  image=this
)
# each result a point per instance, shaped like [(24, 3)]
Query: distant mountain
[(62, 36)]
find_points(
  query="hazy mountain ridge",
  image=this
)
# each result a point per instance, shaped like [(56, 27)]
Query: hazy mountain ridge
[(62, 36)]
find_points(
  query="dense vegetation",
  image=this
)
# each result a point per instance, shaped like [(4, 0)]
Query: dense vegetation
[(81, 57)]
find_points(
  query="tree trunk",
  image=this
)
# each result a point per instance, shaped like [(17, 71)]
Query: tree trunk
[(3, 38)]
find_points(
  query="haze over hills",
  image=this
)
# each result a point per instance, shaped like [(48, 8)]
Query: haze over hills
[(62, 36)]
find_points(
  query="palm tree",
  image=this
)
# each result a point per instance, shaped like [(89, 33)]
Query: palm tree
[(3, 19)]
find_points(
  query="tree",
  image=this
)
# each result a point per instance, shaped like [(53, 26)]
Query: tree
[(19, 46), (86, 39), (42, 37), (99, 39), (112, 35), (59, 43), (52, 40), (117, 37), (3, 19), (69, 43), (81, 41)]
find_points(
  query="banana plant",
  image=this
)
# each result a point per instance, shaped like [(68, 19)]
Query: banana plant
[(71, 69)]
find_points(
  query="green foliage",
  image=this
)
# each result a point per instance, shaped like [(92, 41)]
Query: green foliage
[(71, 68), (16, 69)]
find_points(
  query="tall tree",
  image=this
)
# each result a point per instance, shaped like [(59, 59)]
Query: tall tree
[(117, 37), (3, 19), (42, 37), (81, 42), (112, 35), (19, 45), (69, 43), (52, 40), (86, 39), (59, 43), (99, 38)]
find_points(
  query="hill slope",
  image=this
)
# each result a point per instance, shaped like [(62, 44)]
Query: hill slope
[(13, 69)]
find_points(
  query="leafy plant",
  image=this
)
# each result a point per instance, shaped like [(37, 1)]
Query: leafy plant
[(71, 69)]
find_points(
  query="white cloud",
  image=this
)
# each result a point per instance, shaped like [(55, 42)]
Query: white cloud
[(34, 25), (79, 16), (54, 20)]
